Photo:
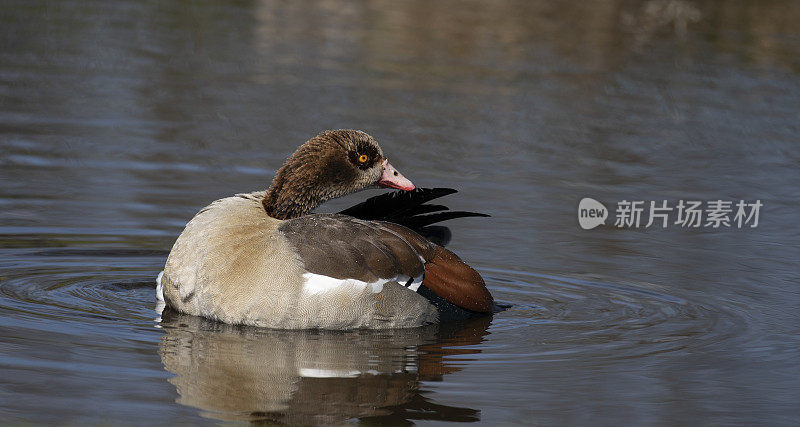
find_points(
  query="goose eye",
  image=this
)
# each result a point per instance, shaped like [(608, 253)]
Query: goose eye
[(362, 158)]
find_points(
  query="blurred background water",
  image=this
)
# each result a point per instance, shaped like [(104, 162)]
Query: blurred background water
[(120, 120)]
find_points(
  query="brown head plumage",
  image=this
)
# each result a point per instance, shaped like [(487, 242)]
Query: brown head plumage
[(332, 164)]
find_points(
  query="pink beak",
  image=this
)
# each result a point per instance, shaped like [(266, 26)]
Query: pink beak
[(391, 178)]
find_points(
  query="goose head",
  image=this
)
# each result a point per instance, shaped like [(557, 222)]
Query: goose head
[(332, 164)]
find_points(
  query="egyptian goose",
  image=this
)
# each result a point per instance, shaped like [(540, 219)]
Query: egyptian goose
[(262, 259)]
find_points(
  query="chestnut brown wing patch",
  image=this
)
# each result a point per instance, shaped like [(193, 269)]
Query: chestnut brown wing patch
[(446, 275), (452, 279)]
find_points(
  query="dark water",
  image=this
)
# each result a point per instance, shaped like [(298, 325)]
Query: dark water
[(119, 120)]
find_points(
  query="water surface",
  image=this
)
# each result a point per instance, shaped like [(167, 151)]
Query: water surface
[(120, 120)]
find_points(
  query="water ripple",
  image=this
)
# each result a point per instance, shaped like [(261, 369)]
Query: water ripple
[(569, 317), (73, 285), (562, 316)]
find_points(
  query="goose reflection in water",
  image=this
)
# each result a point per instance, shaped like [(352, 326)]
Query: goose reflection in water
[(310, 377)]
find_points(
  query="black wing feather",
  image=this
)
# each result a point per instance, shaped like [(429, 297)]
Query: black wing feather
[(395, 203), (409, 208), (420, 221)]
